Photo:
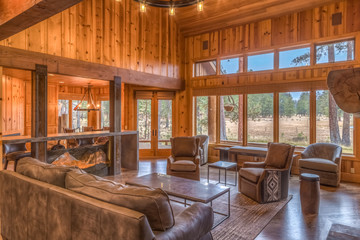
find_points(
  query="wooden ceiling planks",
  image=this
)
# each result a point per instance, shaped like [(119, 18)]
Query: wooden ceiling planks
[(219, 14)]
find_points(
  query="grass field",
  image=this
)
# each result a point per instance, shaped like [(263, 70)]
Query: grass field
[(294, 130)]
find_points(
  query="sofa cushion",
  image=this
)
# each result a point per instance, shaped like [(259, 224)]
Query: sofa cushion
[(251, 174), (184, 146), (41, 171), (277, 155), (319, 164), (153, 203), (183, 166)]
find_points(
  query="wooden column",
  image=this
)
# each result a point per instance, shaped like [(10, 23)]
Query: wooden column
[(115, 126), (212, 118), (39, 111), (1, 119)]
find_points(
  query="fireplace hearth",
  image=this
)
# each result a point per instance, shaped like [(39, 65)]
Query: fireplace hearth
[(91, 158)]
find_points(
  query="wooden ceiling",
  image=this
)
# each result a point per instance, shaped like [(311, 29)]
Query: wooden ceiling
[(225, 13), (62, 80)]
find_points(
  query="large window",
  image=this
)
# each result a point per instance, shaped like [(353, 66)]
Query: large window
[(260, 62), (202, 126), (105, 114), (332, 124), (79, 118), (231, 112), (205, 116), (231, 65), (205, 68), (63, 107), (260, 115), (335, 52), (144, 123), (294, 122), (294, 58)]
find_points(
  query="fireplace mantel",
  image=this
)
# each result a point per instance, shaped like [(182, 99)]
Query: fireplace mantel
[(64, 136)]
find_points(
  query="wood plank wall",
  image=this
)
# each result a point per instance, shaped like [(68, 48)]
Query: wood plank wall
[(109, 32), (13, 105), (305, 27)]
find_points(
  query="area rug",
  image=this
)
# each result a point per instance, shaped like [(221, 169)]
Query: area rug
[(247, 217)]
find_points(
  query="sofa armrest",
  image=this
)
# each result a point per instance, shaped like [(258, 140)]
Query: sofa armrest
[(193, 223), (337, 160), (170, 160), (254, 164), (197, 159)]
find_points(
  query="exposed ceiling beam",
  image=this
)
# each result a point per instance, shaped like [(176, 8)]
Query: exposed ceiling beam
[(26, 60), (17, 15)]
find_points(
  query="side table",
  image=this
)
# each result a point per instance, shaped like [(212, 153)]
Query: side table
[(226, 166), (309, 193)]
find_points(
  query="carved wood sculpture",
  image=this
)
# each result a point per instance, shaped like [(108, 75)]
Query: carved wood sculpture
[(344, 85)]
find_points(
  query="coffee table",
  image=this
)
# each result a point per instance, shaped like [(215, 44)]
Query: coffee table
[(189, 190)]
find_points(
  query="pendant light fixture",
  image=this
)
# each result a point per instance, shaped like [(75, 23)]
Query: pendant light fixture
[(170, 4), (90, 103)]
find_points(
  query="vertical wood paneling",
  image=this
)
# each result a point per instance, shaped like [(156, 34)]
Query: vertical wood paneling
[(108, 32)]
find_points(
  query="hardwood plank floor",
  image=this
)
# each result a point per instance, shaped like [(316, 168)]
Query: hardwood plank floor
[(337, 205)]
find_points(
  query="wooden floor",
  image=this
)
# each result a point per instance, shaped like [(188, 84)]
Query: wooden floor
[(338, 206)]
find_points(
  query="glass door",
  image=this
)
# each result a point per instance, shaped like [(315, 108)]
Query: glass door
[(154, 122)]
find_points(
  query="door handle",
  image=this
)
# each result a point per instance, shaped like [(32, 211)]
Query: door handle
[(155, 132)]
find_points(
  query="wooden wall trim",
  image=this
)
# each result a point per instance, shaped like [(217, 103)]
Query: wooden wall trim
[(22, 59), (266, 88), (16, 16)]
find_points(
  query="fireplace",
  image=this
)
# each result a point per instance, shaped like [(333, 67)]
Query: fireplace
[(90, 158)]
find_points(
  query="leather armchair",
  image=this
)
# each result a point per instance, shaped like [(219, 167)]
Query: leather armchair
[(204, 145), (323, 159), (268, 181), (184, 160), (14, 152)]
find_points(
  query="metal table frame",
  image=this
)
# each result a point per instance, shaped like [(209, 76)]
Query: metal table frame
[(220, 168), (226, 215)]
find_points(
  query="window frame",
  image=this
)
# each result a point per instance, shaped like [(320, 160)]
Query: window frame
[(276, 121)]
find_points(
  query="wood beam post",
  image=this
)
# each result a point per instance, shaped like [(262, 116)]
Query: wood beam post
[(115, 126), (39, 111)]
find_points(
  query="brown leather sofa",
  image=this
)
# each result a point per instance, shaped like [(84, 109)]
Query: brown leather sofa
[(323, 159), (44, 201), (185, 158), (268, 181)]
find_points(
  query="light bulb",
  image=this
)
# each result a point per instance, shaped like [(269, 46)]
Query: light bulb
[(117, 0), (200, 6), (142, 7), (172, 11)]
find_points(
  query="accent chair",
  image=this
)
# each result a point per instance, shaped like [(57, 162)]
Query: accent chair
[(323, 159), (184, 160), (268, 181), (14, 152), (204, 145)]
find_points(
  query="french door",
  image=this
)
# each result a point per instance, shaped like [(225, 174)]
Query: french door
[(154, 122)]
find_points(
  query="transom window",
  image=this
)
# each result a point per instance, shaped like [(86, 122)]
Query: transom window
[(260, 62), (335, 52), (231, 65), (205, 68), (294, 58)]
